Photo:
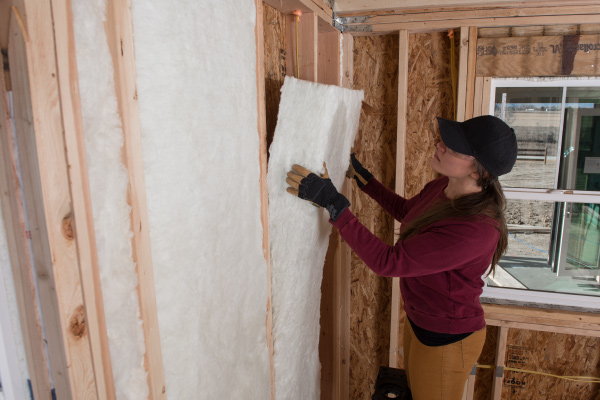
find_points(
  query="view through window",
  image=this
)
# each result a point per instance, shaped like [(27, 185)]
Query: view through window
[(553, 192)]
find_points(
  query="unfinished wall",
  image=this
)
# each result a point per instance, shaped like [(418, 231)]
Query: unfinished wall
[(376, 72), (108, 189), (552, 353), (548, 352), (196, 84)]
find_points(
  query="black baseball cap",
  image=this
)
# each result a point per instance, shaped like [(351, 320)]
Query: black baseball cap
[(487, 138)]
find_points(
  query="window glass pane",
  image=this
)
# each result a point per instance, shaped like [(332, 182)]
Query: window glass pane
[(535, 115), (552, 247), (580, 157)]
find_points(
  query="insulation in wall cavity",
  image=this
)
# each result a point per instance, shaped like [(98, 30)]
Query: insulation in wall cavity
[(108, 179), (13, 364), (316, 124), (196, 85)]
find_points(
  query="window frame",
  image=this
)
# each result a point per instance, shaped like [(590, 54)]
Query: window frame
[(526, 296)]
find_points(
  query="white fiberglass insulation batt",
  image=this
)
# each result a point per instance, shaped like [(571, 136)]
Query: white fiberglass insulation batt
[(316, 123), (196, 85), (13, 364), (108, 179)]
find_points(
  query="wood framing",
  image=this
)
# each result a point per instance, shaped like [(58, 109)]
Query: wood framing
[(500, 357), (341, 277), (477, 97), (301, 40), (54, 192), (68, 81), (396, 310), (361, 6), (437, 20), (328, 58), (485, 98), (317, 7), (471, 66), (469, 391), (569, 322), (264, 194), (119, 33), (334, 342), (11, 199), (463, 66)]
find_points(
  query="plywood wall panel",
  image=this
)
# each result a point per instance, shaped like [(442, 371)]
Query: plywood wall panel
[(429, 96), (375, 72), (570, 55), (552, 353)]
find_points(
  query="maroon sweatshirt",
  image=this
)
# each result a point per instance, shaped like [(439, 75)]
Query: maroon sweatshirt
[(441, 267)]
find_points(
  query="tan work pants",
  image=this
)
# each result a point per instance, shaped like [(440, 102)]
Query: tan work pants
[(439, 373)]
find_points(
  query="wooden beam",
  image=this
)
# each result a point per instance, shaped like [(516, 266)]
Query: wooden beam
[(344, 7), (68, 80), (328, 58), (13, 212), (478, 96), (433, 26), (462, 73), (119, 33), (455, 14), (500, 357), (317, 7), (334, 343), (342, 269), (47, 194), (577, 323), (444, 19), (264, 193), (403, 55), (471, 66), (301, 41), (485, 99)]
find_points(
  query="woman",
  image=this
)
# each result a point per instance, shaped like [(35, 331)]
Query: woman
[(451, 233)]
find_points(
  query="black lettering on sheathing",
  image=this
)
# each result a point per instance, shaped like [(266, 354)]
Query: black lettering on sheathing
[(570, 46)]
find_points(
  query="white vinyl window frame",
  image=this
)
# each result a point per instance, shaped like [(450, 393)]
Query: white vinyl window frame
[(554, 195)]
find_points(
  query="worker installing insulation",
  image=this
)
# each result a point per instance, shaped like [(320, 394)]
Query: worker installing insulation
[(257, 200)]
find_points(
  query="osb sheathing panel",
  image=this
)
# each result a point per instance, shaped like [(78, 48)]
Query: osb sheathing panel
[(552, 353), (375, 72), (429, 96), (274, 34)]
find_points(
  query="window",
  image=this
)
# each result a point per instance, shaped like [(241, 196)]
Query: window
[(553, 192)]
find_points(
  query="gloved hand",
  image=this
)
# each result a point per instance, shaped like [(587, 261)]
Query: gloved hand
[(317, 189), (358, 172)]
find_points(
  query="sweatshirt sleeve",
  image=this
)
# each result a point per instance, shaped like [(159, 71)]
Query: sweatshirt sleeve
[(443, 246), (394, 204)]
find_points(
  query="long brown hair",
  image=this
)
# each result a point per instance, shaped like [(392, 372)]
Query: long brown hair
[(490, 202)]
